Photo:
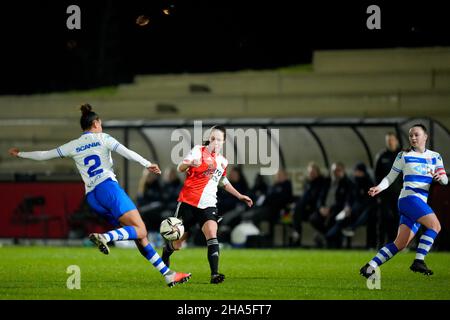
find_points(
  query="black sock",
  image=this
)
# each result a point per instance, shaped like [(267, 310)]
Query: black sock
[(213, 255), (167, 252)]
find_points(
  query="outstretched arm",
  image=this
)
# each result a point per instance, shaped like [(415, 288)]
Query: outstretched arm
[(35, 155), (397, 168), (230, 189), (131, 155)]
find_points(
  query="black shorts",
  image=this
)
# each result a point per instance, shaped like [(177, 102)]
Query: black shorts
[(191, 215)]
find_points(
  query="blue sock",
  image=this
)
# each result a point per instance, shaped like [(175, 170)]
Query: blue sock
[(125, 233), (151, 255), (385, 253), (425, 243)]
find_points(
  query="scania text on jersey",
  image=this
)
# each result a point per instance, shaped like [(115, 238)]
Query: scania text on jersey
[(88, 146)]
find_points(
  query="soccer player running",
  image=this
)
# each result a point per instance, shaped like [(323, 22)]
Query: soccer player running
[(205, 168), (92, 155), (420, 167)]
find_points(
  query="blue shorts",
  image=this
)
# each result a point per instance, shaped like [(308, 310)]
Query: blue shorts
[(411, 209), (110, 201)]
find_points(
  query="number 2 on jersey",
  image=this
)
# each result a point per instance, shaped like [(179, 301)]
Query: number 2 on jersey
[(91, 171)]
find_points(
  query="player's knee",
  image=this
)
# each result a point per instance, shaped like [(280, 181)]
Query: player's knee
[(436, 226), (141, 232), (400, 244)]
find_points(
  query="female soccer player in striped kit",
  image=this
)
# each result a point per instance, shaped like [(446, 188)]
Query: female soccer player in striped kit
[(92, 155), (420, 167), (205, 168)]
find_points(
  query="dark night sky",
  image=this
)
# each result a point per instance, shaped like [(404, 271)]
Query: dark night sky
[(198, 36)]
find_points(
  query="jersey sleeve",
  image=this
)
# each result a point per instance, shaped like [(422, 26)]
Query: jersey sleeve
[(399, 163), (439, 164), (40, 155), (224, 180), (111, 143), (61, 152), (194, 154), (396, 169), (65, 150), (441, 170), (131, 155), (114, 145)]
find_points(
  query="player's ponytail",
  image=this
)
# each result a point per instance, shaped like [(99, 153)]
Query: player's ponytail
[(87, 116)]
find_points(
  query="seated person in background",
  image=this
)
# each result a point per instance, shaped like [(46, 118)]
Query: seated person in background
[(259, 191), (227, 202), (149, 200), (335, 198), (363, 208), (279, 196), (230, 207), (307, 203), (170, 189)]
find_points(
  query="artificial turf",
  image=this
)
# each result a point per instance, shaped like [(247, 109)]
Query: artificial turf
[(38, 272)]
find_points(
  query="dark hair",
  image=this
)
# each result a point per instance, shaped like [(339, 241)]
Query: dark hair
[(87, 116), (420, 126), (220, 128)]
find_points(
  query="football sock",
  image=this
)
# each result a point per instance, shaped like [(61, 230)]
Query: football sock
[(168, 250), (385, 253), (213, 255), (425, 243), (125, 233), (151, 255)]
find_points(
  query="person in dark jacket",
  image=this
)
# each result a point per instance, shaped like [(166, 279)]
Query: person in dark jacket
[(387, 201), (278, 197), (335, 199), (363, 210), (308, 201)]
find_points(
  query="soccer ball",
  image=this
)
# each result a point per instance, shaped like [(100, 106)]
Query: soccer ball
[(171, 229)]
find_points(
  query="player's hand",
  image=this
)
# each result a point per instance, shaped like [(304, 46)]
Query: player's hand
[(193, 163), (247, 200), (14, 152), (154, 169), (437, 176), (374, 191)]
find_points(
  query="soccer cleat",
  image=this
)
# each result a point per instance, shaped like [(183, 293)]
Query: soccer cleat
[(100, 241), (367, 271), (172, 278), (420, 266), (217, 278)]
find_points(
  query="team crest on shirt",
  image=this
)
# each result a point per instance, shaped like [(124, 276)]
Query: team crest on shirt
[(422, 169)]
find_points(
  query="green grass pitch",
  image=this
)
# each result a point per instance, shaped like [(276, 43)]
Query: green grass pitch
[(272, 274)]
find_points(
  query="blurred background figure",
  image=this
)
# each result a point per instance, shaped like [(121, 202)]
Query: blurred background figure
[(226, 201), (149, 200), (279, 197), (363, 210), (229, 206), (335, 199), (307, 203), (171, 187), (388, 211), (258, 192)]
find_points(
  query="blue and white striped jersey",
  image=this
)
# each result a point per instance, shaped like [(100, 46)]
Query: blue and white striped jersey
[(417, 169), (92, 155)]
